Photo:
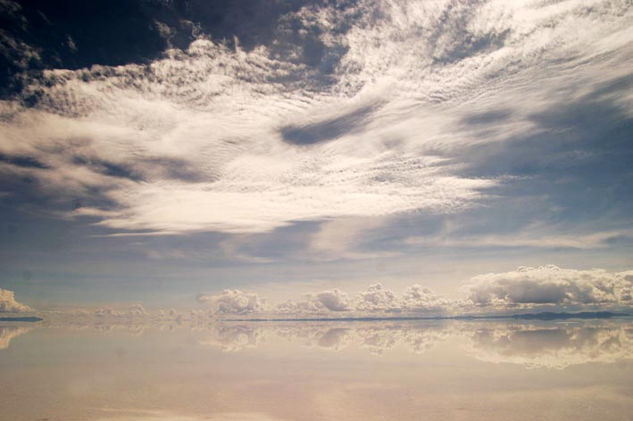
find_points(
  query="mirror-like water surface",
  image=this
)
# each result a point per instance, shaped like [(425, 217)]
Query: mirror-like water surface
[(572, 370)]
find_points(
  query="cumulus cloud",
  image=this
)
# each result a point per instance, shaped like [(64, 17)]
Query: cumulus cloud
[(233, 301), (537, 288), (418, 298), (334, 300), (543, 288), (525, 288), (9, 304), (376, 299), (551, 285), (300, 307), (415, 299)]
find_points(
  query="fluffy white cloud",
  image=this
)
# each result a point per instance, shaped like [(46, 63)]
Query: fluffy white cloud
[(9, 304), (334, 300), (415, 299), (233, 301), (307, 306), (526, 287), (322, 302), (548, 287), (378, 298), (551, 285), (418, 298)]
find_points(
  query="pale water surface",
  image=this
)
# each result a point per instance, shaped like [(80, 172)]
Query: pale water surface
[(395, 370)]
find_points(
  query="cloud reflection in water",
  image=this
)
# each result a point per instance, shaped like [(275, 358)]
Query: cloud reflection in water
[(552, 345)]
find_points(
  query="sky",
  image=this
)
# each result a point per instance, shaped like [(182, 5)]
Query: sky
[(316, 156)]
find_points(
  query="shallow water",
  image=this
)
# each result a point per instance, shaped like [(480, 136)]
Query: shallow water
[(395, 370)]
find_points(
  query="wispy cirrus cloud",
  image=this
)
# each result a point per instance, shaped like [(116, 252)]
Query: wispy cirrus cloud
[(247, 140), (532, 236)]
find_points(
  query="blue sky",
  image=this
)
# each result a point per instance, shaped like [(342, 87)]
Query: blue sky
[(289, 147)]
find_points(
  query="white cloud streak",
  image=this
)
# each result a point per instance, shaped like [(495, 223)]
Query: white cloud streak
[(534, 236)]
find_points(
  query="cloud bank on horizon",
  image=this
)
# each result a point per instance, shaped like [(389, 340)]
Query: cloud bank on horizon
[(544, 288), (526, 289)]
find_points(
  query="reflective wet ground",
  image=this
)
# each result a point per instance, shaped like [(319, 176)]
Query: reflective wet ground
[(395, 370)]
